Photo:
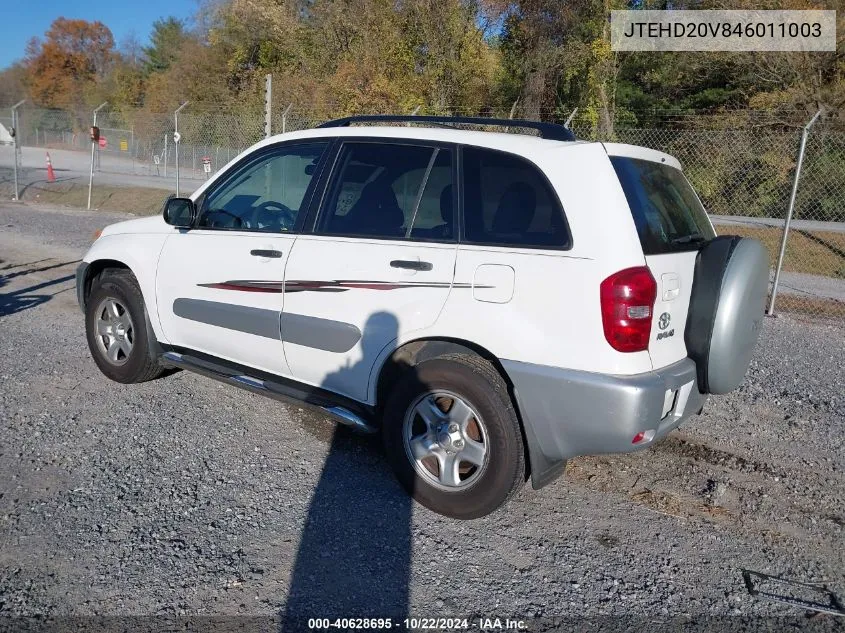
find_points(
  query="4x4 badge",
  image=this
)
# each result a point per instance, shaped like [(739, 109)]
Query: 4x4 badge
[(663, 321)]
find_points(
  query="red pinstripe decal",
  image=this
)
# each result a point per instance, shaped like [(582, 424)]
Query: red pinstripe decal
[(326, 286)]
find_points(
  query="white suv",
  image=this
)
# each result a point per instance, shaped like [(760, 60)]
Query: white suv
[(494, 303)]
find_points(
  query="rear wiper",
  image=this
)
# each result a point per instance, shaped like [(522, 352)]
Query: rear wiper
[(689, 239)]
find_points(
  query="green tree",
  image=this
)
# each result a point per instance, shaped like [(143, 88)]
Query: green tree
[(166, 40), (451, 57)]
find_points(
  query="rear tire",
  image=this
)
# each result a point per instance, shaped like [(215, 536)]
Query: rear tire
[(116, 329), (465, 458)]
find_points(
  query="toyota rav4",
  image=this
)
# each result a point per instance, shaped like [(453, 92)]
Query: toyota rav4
[(492, 303)]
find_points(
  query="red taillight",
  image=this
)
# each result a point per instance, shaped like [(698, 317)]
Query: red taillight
[(627, 300)]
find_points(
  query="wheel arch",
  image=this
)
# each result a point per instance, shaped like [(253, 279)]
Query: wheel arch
[(93, 270), (414, 352)]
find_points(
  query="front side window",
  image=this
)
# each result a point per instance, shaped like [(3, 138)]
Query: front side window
[(267, 195), (508, 202), (391, 191)]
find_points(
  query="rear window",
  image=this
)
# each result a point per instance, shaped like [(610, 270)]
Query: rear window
[(668, 214)]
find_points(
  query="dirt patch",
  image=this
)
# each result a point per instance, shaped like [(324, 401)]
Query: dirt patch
[(701, 452), (692, 480), (137, 200)]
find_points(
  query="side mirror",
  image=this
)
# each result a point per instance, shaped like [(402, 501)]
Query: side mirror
[(179, 212)]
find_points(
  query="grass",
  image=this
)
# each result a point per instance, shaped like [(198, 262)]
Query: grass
[(825, 309), (137, 200), (812, 252)]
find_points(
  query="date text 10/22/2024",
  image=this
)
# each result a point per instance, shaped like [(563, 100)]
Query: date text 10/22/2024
[(419, 624)]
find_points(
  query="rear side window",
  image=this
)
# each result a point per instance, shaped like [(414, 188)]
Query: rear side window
[(508, 202), (668, 214), (394, 191)]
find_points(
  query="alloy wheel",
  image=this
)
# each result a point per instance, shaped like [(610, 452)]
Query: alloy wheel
[(115, 331), (445, 440)]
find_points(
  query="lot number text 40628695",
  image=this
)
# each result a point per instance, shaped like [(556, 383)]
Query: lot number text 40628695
[(419, 624)]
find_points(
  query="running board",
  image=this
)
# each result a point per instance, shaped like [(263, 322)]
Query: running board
[(278, 391)]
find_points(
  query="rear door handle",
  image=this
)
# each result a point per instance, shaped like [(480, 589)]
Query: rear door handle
[(265, 253), (410, 264)]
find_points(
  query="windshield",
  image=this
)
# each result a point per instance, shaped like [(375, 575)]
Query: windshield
[(668, 214)]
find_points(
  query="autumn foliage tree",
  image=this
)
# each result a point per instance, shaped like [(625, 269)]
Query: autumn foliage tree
[(63, 70)]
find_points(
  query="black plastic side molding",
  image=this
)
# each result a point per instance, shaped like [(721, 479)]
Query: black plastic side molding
[(710, 267)]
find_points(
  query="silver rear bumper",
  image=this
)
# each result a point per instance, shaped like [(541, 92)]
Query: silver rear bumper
[(567, 413)]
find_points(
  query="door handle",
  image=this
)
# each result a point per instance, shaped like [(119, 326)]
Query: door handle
[(411, 264), (265, 253)]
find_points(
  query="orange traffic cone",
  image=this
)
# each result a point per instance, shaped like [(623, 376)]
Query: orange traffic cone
[(51, 176)]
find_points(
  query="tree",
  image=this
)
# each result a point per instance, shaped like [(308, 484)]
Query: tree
[(198, 74), (64, 69), (336, 57), (166, 40), (130, 50), (454, 63), (12, 83), (556, 56)]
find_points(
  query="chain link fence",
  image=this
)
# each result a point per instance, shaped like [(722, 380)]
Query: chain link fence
[(142, 144), (744, 175)]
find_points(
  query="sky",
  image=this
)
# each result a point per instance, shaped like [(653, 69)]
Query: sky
[(33, 17)]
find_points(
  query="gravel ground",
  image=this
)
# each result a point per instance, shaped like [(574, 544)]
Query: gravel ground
[(185, 497)]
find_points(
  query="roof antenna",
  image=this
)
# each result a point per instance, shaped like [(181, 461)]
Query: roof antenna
[(569, 119)]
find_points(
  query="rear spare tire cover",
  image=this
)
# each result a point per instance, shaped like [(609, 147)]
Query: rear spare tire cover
[(726, 310)]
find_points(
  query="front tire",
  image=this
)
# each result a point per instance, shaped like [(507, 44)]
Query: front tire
[(116, 329), (453, 437)]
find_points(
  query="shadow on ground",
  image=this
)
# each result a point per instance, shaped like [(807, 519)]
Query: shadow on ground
[(25, 298), (354, 557)]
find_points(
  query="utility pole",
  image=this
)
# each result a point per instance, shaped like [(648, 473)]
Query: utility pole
[(15, 139), (176, 138), (93, 145), (268, 106)]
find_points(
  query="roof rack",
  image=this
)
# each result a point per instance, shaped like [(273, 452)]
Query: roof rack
[(552, 131)]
